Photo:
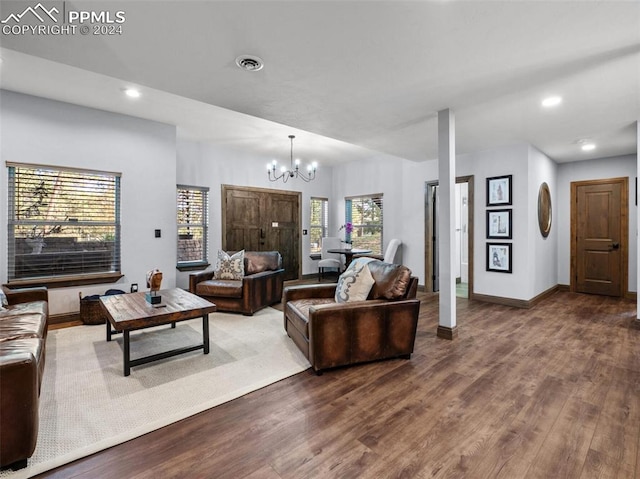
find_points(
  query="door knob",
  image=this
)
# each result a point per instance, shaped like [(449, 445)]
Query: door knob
[(615, 246)]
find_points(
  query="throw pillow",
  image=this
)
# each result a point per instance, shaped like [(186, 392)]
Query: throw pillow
[(391, 280), (3, 300), (355, 283), (230, 267)]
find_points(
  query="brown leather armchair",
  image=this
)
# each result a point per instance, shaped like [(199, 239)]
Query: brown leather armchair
[(334, 334), (260, 287)]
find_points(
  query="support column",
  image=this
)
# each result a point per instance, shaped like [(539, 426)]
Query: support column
[(447, 327)]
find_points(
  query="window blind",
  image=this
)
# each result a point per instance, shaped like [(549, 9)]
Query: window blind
[(62, 222), (319, 223), (193, 217)]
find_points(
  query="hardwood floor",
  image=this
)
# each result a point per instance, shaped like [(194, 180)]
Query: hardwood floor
[(549, 392)]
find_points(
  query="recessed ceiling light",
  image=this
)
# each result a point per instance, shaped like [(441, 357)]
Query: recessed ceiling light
[(551, 101), (250, 63), (588, 146), (132, 92)]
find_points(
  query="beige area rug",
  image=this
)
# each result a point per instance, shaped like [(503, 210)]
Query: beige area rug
[(87, 405)]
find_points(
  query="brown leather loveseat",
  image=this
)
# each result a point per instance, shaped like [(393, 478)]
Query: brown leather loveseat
[(260, 286), (23, 334), (332, 334)]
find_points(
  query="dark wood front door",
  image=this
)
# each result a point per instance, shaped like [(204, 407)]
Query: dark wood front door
[(256, 219), (599, 247), (243, 226)]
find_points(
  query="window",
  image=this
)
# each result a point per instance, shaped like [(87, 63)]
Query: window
[(365, 213), (62, 223), (193, 220), (319, 223)]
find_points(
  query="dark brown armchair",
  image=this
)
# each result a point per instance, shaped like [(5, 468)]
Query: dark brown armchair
[(261, 285), (334, 334)]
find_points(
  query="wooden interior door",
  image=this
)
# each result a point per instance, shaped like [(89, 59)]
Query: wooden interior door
[(431, 234), (283, 231), (243, 211), (256, 219), (599, 246)]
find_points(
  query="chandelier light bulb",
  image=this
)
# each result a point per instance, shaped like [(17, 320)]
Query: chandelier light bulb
[(294, 169)]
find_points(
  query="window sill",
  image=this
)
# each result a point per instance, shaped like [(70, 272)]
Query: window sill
[(192, 266), (65, 281)]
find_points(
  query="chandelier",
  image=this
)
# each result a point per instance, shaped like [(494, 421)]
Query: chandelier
[(293, 171)]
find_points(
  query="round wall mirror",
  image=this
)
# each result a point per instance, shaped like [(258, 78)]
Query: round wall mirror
[(544, 209)]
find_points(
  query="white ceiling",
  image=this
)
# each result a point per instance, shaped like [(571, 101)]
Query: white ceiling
[(348, 77)]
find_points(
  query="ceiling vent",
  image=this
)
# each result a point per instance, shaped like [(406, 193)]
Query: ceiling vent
[(250, 63)]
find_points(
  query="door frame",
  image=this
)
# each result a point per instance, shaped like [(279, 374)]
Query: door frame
[(624, 230), (223, 191), (429, 237)]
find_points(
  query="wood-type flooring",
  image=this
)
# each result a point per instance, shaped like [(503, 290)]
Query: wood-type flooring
[(548, 392)]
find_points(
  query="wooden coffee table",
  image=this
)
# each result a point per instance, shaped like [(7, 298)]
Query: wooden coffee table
[(129, 312)]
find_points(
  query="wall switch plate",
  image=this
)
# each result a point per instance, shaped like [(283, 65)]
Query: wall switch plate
[(158, 233), (304, 232), (134, 287)]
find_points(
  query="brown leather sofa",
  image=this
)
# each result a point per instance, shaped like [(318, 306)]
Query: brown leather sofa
[(334, 334), (261, 285), (23, 334)]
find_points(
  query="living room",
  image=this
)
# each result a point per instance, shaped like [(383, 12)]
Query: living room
[(198, 150), (162, 162), (96, 128)]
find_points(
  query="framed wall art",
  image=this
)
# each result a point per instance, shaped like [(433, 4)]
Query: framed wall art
[(499, 224), (499, 190), (499, 257)]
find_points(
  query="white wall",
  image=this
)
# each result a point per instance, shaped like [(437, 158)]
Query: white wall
[(529, 168), (152, 162), (205, 164), (403, 185), (620, 166), (412, 212), (403, 201), (544, 261), (45, 132), (508, 160)]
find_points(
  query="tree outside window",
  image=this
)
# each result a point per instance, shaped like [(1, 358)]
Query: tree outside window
[(365, 214), (62, 222), (193, 218), (318, 224)]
